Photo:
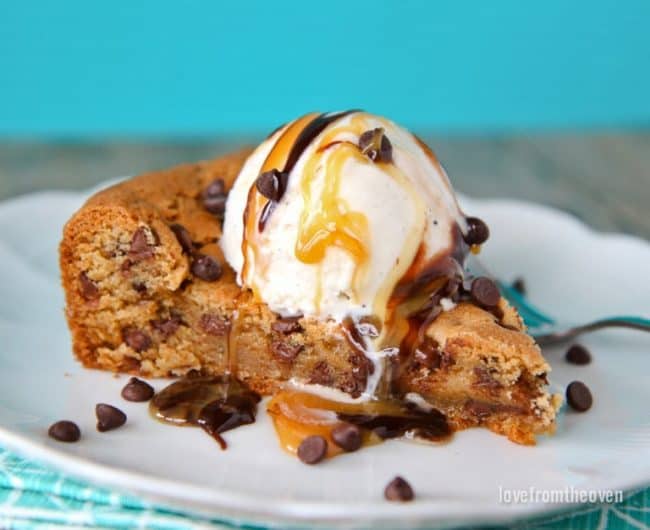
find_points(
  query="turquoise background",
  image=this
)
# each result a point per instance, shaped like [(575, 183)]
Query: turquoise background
[(145, 67)]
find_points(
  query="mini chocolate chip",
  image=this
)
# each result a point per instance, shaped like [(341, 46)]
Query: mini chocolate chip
[(139, 240), (215, 205), (321, 374), (399, 490), (216, 187), (108, 417), (361, 368), (519, 285), (485, 292), (89, 289), (484, 378), (139, 287), (214, 197), (126, 266), (477, 231), (136, 339), (287, 325), (286, 351), (167, 326), (64, 431), (140, 248), (579, 396), (213, 324), (183, 237), (376, 145), (137, 390), (269, 184), (347, 436), (479, 409), (312, 449), (129, 364), (578, 354), (206, 268)]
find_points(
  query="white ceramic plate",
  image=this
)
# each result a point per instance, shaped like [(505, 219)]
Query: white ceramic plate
[(571, 271)]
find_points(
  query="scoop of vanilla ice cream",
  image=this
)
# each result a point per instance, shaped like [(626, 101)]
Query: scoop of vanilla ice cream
[(346, 228)]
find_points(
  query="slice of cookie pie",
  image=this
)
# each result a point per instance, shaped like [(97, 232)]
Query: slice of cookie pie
[(325, 267)]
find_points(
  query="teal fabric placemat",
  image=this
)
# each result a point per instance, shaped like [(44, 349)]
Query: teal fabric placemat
[(34, 496)]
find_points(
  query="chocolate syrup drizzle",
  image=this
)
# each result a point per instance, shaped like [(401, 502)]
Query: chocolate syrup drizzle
[(304, 140)]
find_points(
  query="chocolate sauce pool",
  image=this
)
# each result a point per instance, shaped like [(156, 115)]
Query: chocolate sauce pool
[(216, 404), (428, 425)]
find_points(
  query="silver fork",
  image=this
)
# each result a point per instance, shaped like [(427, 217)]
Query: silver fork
[(548, 330)]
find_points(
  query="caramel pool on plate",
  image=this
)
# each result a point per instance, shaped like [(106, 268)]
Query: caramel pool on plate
[(297, 415)]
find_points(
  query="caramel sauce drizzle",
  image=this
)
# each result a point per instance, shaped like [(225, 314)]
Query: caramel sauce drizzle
[(286, 152), (326, 218), (256, 203)]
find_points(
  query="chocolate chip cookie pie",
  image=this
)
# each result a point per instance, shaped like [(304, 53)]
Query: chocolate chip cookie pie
[(325, 268)]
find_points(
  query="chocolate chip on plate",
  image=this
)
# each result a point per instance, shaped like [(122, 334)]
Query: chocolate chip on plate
[(477, 231), (108, 417), (269, 183), (485, 292), (347, 436), (578, 354), (519, 285), (399, 490), (206, 268), (183, 237), (137, 390), (88, 288), (136, 339), (64, 431), (376, 145), (312, 449), (579, 396)]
